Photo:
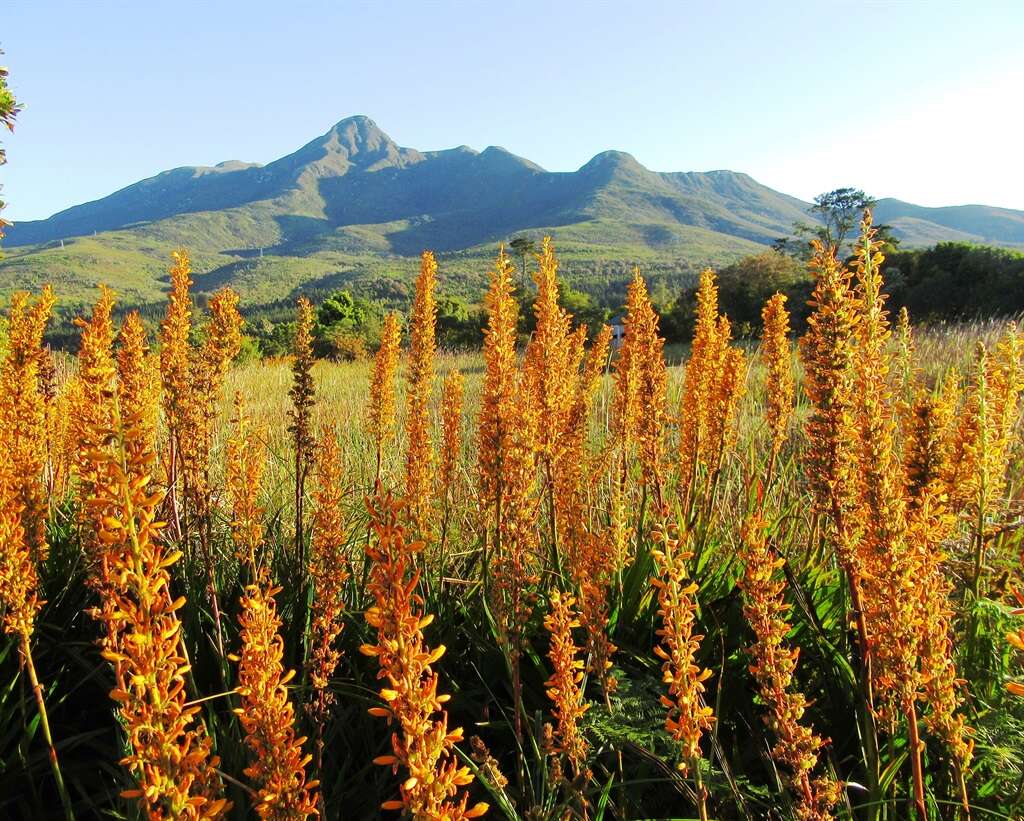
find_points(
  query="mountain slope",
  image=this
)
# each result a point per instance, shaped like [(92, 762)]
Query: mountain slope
[(355, 175), (352, 203), (975, 223)]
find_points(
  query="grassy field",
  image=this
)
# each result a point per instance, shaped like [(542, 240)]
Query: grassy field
[(758, 580)]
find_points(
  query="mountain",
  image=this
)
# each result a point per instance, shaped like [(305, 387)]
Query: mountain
[(353, 207), (972, 223)]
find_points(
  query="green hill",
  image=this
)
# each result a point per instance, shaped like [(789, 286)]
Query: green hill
[(352, 207)]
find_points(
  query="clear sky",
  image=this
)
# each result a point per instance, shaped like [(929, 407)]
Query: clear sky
[(919, 100)]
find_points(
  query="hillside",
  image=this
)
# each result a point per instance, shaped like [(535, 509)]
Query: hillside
[(984, 224), (352, 207)]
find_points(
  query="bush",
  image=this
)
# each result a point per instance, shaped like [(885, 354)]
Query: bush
[(341, 345)]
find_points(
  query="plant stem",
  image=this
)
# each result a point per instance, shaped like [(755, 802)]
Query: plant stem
[(702, 793), (915, 761), (44, 722)]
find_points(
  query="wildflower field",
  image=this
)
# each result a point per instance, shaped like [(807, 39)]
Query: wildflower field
[(563, 578)]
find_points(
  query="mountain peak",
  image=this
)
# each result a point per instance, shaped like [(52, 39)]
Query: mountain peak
[(360, 120), (357, 135), (354, 142), (614, 164)]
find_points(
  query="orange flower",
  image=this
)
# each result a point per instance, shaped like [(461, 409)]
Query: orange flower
[(711, 394), (764, 605), (419, 458), (641, 382), (552, 361), (19, 581), (193, 379), (927, 463), (91, 408), (827, 351), (382, 390), (688, 717), (26, 394), (451, 437), (303, 396), (779, 379), (208, 367), (169, 752), (278, 765), (505, 462), (422, 744), (243, 476), (23, 415), (137, 380), (328, 570), (507, 475), (175, 358), (565, 687), (625, 403)]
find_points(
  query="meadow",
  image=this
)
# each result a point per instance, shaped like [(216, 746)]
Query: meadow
[(556, 578)]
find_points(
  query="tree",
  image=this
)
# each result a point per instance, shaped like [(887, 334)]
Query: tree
[(9, 108), (458, 324), (745, 286), (521, 246), (838, 211), (341, 308)]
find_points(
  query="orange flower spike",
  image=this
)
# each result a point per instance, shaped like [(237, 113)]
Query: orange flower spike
[(329, 569), (1006, 381), (175, 372), (19, 582), (422, 744), (246, 461), (565, 687), (278, 765), (702, 373), (174, 335), (496, 420), (451, 438), (893, 561), (267, 717), (505, 458), (95, 384), (137, 381), (419, 458), (196, 405), (641, 382), (927, 462), (551, 360), (779, 383), (381, 411), (303, 396), (630, 357), (796, 745), (725, 400), (827, 352), (688, 717), (904, 369), (23, 415), (169, 751)]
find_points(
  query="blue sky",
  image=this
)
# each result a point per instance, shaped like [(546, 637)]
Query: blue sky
[(919, 100)]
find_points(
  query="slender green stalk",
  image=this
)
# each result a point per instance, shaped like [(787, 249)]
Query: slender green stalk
[(44, 723)]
